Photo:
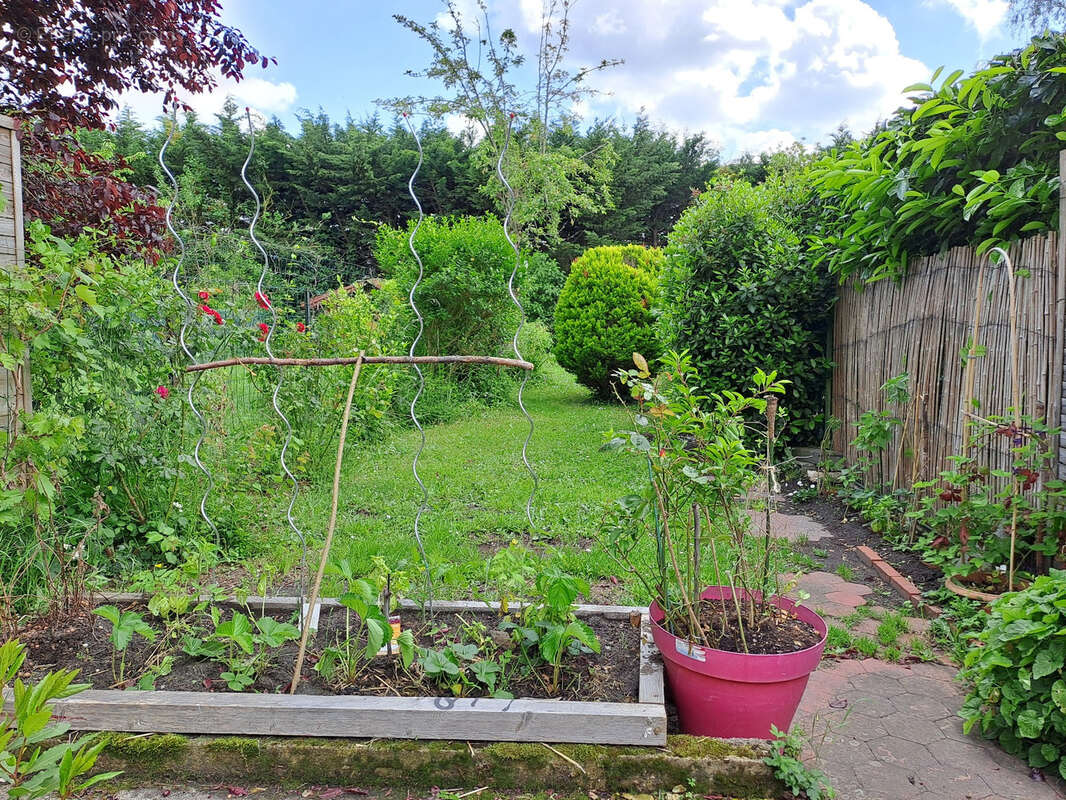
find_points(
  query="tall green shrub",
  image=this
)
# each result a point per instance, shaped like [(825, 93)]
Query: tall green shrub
[(606, 313), (464, 302), (739, 295)]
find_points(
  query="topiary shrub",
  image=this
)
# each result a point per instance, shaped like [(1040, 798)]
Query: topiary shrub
[(606, 313), (739, 294), (1018, 675)]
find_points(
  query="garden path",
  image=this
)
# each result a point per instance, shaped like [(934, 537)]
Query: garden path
[(888, 731)]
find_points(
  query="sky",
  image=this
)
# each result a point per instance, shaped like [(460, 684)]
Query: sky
[(750, 74)]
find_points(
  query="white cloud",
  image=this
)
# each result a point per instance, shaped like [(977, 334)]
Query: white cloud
[(264, 97), (984, 15), (747, 72)]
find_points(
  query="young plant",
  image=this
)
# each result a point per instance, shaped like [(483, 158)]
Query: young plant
[(549, 625), (243, 650), (124, 626), (704, 454), (344, 661), (784, 758), (461, 669), (29, 771)]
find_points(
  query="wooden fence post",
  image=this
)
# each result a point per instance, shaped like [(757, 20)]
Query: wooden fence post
[(15, 390)]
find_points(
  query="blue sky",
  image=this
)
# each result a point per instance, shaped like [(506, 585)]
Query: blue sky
[(749, 73)]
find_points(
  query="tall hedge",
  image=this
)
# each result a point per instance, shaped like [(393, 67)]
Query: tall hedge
[(738, 292), (606, 313)]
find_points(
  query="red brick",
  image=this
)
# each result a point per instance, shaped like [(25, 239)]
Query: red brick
[(867, 555), (887, 570), (905, 587)]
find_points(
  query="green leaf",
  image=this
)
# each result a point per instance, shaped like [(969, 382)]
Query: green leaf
[(1030, 724), (1047, 661)]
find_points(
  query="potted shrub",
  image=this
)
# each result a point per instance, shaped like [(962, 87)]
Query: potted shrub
[(738, 654)]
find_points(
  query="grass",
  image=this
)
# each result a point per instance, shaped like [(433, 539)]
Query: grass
[(477, 488)]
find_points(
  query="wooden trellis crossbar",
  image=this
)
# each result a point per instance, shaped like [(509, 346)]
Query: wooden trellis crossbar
[(349, 360)]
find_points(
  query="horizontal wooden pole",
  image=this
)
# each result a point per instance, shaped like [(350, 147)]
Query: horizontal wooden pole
[(336, 362)]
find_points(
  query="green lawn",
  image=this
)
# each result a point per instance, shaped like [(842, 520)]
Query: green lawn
[(478, 488)]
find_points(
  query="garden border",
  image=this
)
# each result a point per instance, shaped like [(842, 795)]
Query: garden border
[(366, 717)]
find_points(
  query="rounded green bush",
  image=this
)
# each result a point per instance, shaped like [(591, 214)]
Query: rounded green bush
[(606, 313)]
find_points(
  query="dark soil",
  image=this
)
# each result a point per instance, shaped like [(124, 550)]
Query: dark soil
[(774, 630), (83, 643), (849, 531)]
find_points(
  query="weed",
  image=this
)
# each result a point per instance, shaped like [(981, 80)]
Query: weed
[(784, 759), (866, 646), (845, 572), (891, 628)]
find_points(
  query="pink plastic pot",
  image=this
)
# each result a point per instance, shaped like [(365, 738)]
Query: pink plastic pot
[(736, 695)]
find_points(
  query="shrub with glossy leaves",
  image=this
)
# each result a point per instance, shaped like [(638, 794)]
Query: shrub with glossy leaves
[(739, 295), (606, 313)]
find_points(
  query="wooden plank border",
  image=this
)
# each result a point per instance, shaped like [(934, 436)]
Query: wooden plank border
[(366, 717)]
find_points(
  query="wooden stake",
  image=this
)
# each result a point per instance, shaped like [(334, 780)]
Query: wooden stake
[(330, 529)]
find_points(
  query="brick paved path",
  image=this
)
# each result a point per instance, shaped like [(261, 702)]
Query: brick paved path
[(886, 731)]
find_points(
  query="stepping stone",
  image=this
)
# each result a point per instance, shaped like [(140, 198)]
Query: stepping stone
[(789, 526)]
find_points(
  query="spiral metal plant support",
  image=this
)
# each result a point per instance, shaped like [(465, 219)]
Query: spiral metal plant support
[(521, 321), (423, 506), (264, 300), (189, 315)]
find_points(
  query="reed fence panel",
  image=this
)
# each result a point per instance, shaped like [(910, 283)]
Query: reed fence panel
[(922, 326)]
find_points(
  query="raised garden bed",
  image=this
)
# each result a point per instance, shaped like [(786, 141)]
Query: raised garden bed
[(624, 688)]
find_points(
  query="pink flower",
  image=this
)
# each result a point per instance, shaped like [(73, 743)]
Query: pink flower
[(263, 300), (301, 327), (163, 392)]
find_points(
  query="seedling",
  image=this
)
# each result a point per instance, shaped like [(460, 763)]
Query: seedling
[(345, 661), (240, 648), (845, 572), (124, 626)]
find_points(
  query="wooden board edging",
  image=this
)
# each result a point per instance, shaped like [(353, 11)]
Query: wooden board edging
[(356, 716)]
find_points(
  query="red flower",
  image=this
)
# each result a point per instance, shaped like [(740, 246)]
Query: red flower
[(218, 318), (203, 294), (662, 452), (264, 327), (262, 299), (301, 327), (207, 309), (163, 392)]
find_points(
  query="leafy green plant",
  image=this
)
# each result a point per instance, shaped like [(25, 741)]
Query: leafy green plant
[(1018, 676), (606, 312), (242, 649), (124, 626), (346, 659), (973, 160), (461, 669), (784, 759), (704, 455), (839, 640), (738, 293), (29, 770), (892, 626), (866, 646), (549, 625)]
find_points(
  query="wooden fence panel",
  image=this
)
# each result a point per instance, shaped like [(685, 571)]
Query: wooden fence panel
[(922, 327), (14, 386)]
